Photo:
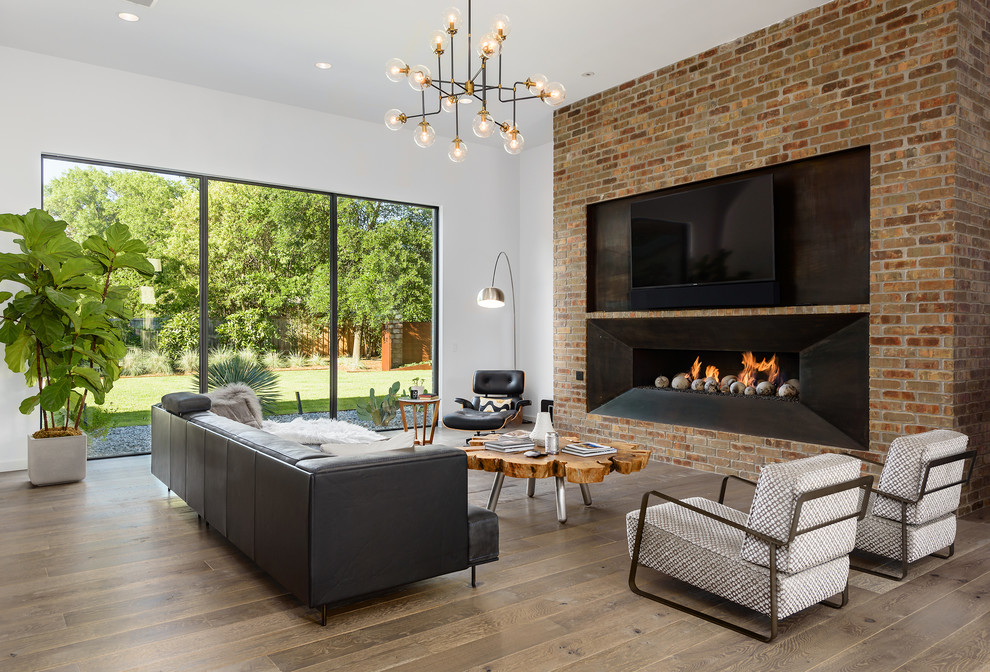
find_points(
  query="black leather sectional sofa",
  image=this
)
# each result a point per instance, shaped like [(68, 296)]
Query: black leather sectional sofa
[(328, 529)]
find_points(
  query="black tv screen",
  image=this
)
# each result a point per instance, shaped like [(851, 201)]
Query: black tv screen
[(721, 233)]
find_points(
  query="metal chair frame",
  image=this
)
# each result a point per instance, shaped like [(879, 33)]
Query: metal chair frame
[(863, 482), (967, 455)]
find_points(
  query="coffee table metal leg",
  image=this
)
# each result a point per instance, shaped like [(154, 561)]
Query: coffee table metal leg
[(496, 491), (586, 493), (530, 487), (561, 502)]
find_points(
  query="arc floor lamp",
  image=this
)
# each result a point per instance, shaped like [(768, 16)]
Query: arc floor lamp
[(493, 297)]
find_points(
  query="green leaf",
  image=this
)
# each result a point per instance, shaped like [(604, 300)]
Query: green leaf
[(20, 353), (28, 405), (117, 236), (5, 295), (12, 223), (138, 262), (87, 373), (54, 396), (9, 331)]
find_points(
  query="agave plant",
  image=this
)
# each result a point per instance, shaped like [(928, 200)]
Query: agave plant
[(236, 369)]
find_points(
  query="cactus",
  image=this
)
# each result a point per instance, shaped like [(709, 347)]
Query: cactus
[(381, 412)]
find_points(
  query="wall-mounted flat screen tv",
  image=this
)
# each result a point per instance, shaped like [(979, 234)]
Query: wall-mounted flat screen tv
[(712, 235)]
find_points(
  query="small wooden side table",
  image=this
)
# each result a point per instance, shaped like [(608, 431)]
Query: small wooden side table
[(429, 402)]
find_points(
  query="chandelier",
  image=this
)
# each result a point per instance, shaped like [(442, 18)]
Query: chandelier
[(473, 86)]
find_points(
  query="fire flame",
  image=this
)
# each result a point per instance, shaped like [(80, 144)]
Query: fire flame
[(696, 368), (712, 372), (751, 367)]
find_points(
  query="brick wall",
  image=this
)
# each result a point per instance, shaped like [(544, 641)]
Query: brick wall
[(908, 79)]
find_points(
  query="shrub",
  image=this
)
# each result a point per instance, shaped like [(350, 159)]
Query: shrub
[(296, 359), (180, 333), (316, 360), (221, 355), (273, 359), (188, 361), (158, 362), (249, 328), (248, 354), (133, 363), (238, 370)]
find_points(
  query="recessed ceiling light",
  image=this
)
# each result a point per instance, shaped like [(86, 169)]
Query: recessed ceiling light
[(588, 74), (127, 16), (323, 65)]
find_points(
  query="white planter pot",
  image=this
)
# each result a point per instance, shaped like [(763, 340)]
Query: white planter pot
[(57, 460)]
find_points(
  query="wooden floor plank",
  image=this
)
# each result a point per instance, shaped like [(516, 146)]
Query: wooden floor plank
[(116, 574)]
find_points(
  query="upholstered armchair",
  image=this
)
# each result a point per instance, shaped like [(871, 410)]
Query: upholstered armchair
[(789, 553), (914, 510), (497, 402)]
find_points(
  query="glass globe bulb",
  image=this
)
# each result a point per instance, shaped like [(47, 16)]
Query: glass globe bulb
[(514, 142), (396, 69), (449, 103), (483, 125), (458, 150), (537, 83), (451, 19), (488, 46), (554, 94), (394, 119), (439, 41), (425, 135), (505, 129), (420, 78), (501, 26)]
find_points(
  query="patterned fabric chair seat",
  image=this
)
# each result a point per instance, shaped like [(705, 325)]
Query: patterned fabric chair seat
[(927, 518), (789, 553), (707, 554)]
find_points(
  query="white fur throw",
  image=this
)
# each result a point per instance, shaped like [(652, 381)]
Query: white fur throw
[(320, 430), (238, 402)]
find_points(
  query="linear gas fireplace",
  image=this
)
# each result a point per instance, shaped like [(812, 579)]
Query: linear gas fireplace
[(796, 377)]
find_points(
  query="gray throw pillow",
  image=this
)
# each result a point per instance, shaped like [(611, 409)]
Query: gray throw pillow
[(238, 402)]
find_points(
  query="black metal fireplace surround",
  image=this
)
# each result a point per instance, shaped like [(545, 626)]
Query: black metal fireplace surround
[(831, 353)]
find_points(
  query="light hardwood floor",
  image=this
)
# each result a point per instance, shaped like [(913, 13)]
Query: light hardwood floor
[(113, 574)]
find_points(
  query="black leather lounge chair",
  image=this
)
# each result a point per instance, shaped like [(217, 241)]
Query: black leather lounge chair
[(497, 403)]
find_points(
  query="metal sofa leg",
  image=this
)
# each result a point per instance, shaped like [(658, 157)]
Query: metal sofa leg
[(323, 615), (474, 583), (952, 551)]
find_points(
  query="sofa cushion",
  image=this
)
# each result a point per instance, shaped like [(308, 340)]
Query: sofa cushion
[(185, 402), (482, 535), (282, 449), (400, 440), (777, 492), (905, 468)]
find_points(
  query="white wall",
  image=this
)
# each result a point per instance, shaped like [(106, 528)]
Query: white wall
[(535, 270), (64, 107)]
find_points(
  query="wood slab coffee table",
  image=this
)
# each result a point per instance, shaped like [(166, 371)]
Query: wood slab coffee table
[(563, 467)]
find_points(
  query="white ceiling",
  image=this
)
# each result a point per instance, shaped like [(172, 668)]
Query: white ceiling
[(267, 48)]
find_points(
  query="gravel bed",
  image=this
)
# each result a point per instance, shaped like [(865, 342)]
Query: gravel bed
[(136, 440)]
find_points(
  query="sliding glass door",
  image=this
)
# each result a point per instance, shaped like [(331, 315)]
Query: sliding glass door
[(312, 299), (162, 210), (270, 304)]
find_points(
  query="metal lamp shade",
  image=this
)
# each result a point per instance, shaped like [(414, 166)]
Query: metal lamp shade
[(491, 297)]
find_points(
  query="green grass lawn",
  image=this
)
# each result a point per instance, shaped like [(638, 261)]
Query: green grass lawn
[(131, 399)]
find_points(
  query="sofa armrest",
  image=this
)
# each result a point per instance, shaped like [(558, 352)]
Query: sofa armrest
[(385, 519), (465, 403)]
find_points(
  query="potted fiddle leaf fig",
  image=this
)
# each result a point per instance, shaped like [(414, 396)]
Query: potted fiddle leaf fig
[(63, 329)]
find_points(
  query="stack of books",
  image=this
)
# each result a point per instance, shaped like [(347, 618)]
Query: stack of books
[(588, 449), (510, 444)]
